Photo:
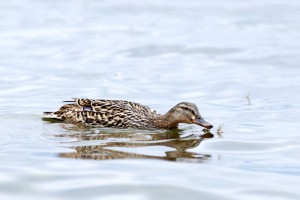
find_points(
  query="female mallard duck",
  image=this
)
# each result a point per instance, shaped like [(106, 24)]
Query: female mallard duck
[(126, 114)]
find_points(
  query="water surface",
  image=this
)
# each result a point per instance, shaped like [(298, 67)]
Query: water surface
[(238, 61)]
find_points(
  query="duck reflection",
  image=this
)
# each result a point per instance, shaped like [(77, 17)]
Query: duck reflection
[(107, 145)]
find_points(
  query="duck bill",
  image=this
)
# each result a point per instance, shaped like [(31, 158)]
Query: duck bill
[(203, 123)]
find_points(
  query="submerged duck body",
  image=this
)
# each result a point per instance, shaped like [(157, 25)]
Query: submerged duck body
[(126, 114)]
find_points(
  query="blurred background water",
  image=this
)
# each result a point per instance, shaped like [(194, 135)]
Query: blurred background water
[(237, 60)]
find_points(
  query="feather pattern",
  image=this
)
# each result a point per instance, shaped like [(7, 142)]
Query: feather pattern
[(123, 114)]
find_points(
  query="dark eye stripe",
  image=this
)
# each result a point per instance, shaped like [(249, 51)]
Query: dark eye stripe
[(184, 108), (189, 109)]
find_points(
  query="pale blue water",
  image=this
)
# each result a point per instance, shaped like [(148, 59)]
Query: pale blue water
[(238, 61)]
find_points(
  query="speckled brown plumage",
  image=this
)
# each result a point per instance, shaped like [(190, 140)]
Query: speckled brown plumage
[(126, 114)]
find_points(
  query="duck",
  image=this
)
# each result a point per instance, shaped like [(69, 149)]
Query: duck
[(104, 113)]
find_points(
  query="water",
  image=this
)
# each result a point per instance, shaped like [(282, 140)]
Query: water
[(238, 61)]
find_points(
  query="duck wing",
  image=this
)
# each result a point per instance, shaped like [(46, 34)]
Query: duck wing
[(102, 105), (110, 113)]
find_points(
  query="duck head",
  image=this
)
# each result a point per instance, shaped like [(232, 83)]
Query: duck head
[(186, 112)]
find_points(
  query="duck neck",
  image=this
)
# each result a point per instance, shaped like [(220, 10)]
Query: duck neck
[(165, 122)]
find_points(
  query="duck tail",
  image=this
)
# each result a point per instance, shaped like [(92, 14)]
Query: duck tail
[(51, 115)]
